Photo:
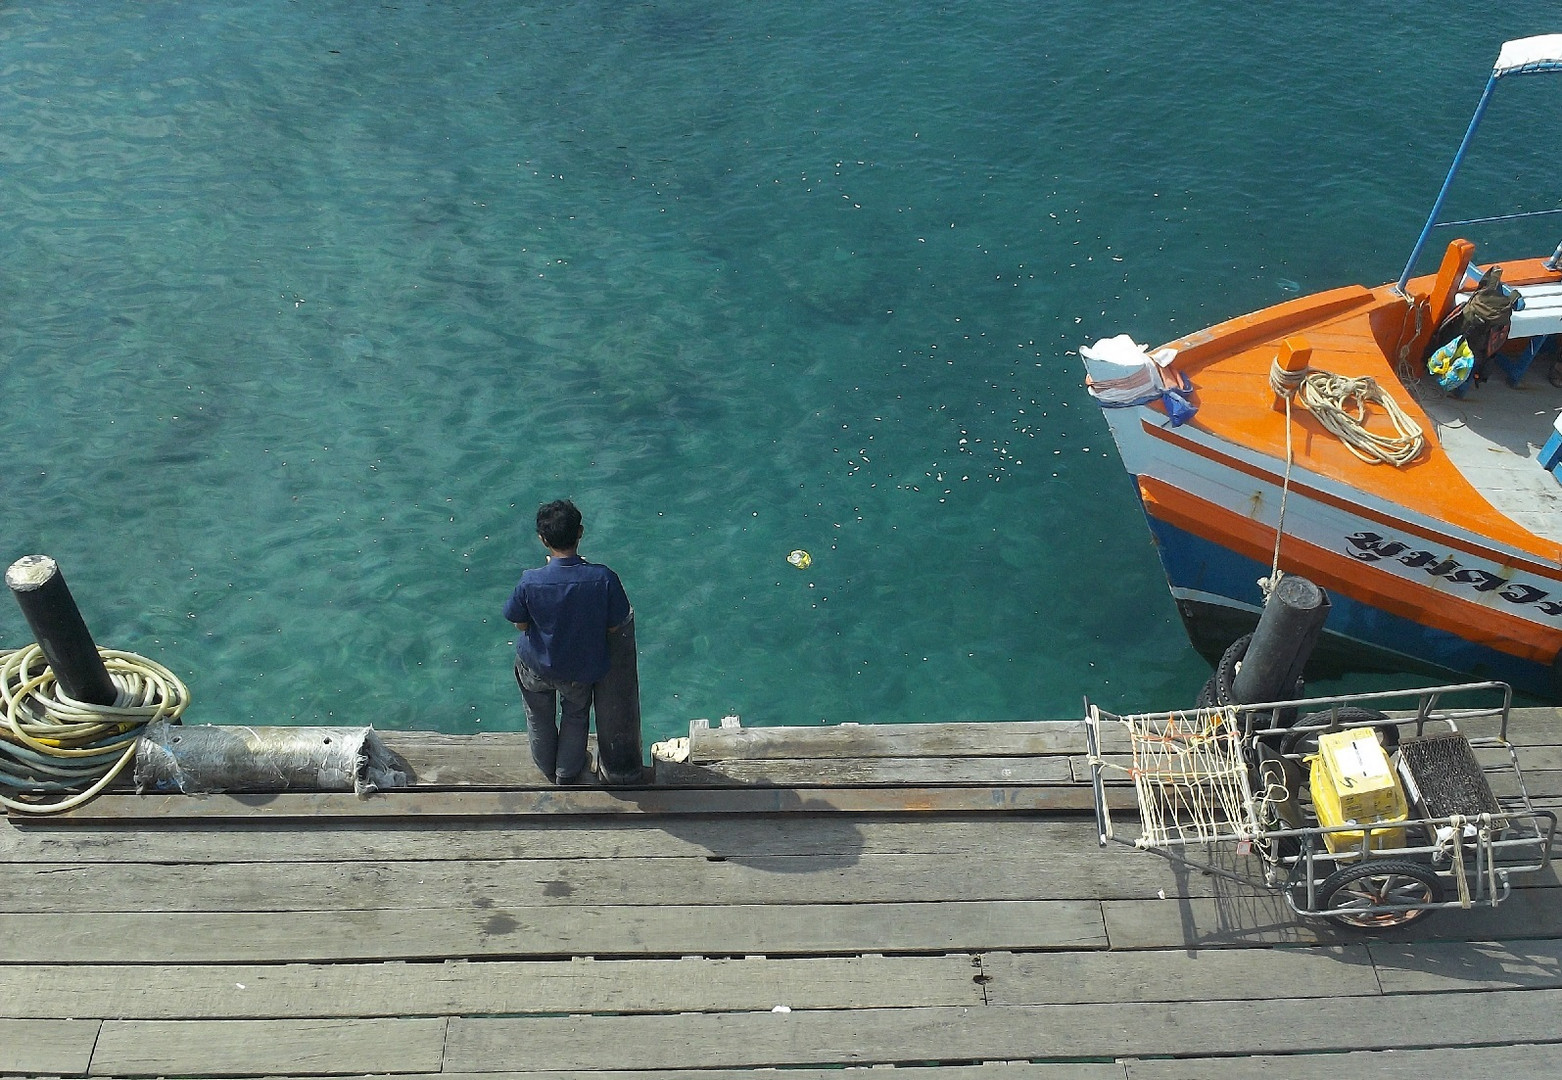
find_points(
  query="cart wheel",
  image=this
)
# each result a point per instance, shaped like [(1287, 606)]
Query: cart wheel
[(1380, 883)]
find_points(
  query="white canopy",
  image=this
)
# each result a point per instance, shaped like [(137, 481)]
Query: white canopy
[(1545, 50)]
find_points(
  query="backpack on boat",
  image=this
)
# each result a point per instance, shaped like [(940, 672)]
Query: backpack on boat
[(1491, 304), (1489, 310)]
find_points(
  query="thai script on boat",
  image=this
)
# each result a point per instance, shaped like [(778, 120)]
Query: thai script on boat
[(1370, 547)]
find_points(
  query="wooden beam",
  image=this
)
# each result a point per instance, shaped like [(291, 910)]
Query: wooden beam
[(353, 840), (1212, 975), (1062, 874), (46, 1047), (1525, 1060), (411, 804), (268, 1047), (1043, 1032), (1466, 965), (492, 928), (1250, 917), (458, 987), (962, 740), (832, 773)]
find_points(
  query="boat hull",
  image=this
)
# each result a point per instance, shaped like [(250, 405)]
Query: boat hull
[(1219, 600), (1409, 592)]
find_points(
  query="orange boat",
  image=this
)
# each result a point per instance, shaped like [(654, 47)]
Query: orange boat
[(1309, 438)]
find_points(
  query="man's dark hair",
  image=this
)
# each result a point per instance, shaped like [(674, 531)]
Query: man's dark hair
[(558, 523)]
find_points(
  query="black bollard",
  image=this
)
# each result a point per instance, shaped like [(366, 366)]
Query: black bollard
[(617, 702), (1287, 631), (59, 629)]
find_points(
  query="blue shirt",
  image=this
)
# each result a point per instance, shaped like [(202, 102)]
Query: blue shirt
[(568, 606)]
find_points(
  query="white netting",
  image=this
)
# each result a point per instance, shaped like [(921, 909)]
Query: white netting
[(1190, 776)]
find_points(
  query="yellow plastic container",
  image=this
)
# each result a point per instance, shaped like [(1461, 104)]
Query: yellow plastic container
[(1353, 782)]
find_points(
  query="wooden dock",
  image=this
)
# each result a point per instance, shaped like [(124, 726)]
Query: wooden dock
[(929, 901)]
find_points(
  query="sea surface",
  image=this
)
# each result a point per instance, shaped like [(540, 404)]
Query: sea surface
[(304, 308)]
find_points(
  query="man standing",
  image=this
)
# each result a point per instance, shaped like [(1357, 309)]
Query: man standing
[(565, 611)]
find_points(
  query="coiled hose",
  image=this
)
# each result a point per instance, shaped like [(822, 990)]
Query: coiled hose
[(55, 752)]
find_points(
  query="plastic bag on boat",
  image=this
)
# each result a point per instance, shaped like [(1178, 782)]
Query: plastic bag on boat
[(1179, 407), (1451, 365)]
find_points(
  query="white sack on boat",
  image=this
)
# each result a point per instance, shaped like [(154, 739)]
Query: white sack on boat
[(1121, 372)]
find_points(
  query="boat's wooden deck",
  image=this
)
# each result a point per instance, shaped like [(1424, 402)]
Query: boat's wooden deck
[(924, 898), (1493, 437)]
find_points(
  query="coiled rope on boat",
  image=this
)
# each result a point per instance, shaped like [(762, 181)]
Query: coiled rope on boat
[(1340, 404), (55, 752)]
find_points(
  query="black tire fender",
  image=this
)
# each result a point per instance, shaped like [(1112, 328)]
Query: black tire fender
[(1348, 716)]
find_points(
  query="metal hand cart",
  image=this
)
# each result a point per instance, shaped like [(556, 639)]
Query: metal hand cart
[(1227, 791)]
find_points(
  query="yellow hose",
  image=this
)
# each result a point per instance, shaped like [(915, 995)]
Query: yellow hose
[(39, 716)]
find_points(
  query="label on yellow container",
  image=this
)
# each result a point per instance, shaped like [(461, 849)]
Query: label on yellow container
[(1353, 782), (1360, 773)]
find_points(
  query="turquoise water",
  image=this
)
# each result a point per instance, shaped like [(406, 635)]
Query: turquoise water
[(307, 306)]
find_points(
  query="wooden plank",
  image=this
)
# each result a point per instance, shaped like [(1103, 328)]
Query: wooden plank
[(483, 759), (1514, 1062), (46, 1047), (1544, 785), (1177, 975), (1539, 758), (854, 772), (1535, 727), (517, 932), (1043, 1032), (1466, 965), (1020, 837), (987, 1070), (268, 1047), (1065, 874), (458, 987), (1257, 918), (554, 802), (440, 760), (959, 740)]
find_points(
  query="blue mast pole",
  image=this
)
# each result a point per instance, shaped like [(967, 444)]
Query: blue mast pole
[(1437, 207)]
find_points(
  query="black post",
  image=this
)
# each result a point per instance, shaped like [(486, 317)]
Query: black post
[(1287, 631), (617, 702), (59, 629)]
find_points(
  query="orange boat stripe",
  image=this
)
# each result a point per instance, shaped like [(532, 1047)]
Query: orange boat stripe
[(1361, 581), (1504, 558)]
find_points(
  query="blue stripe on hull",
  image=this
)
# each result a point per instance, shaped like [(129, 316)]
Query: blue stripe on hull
[(1192, 562)]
